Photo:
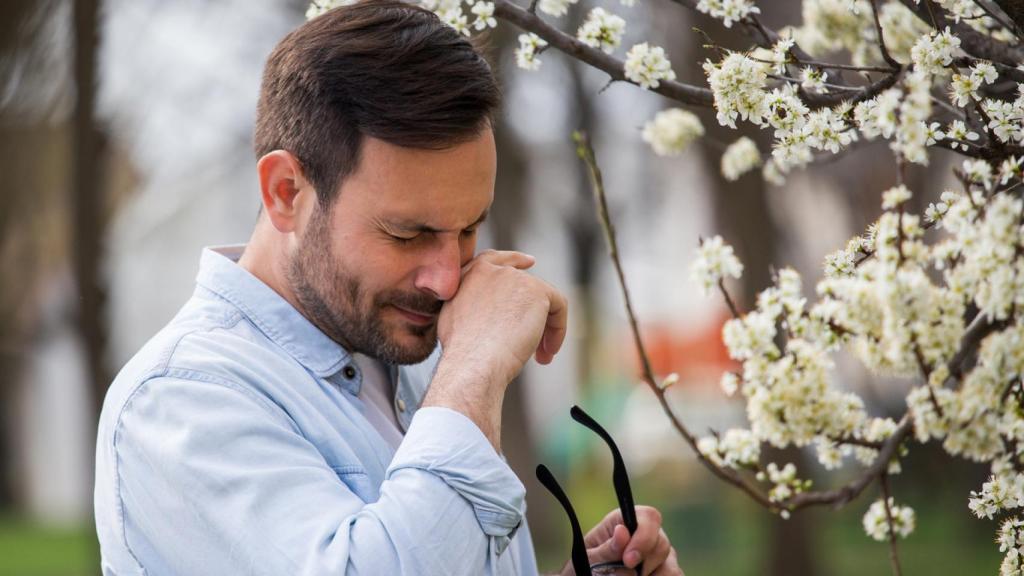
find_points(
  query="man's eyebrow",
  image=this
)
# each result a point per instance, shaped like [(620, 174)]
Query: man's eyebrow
[(413, 226)]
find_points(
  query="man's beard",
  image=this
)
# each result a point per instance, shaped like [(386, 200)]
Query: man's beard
[(335, 302)]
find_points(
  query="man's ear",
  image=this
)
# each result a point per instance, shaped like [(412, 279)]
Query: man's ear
[(283, 189)]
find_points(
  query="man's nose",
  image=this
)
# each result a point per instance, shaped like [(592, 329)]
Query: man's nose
[(442, 275)]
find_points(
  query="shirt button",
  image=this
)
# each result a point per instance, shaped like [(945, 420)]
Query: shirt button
[(401, 405), (349, 372)]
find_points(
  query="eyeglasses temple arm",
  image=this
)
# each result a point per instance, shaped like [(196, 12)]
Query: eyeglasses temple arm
[(580, 562), (619, 476)]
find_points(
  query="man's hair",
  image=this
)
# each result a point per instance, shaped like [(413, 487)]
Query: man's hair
[(379, 68)]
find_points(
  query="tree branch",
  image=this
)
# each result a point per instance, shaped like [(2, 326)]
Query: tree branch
[(1014, 9), (684, 93), (586, 153), (978, 329), (1013, 25), (971, 41), (894, 556), (680, 92), (881, 39)]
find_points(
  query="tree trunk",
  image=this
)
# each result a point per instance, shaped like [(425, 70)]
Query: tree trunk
[(88, 203)]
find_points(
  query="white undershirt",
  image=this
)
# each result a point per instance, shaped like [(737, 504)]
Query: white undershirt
[(377, 394)]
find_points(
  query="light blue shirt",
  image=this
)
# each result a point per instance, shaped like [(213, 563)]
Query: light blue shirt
[(234, 443)]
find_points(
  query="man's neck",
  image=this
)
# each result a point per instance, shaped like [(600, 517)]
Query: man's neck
[(265, 259)]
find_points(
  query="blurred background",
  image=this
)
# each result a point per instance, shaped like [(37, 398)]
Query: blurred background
[(125, 147)]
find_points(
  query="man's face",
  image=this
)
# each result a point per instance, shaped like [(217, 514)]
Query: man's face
[(373, 271)]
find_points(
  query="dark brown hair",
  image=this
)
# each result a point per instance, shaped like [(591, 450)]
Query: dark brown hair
[(379, 68)]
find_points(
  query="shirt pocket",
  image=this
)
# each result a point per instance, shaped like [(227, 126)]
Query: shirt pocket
[(359, 482)]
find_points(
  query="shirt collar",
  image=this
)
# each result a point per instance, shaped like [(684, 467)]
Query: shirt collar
[(220, 273)]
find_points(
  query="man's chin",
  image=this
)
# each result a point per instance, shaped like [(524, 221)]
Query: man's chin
[(412, 346)]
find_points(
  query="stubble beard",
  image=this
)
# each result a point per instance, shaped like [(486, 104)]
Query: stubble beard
[(335, 301)]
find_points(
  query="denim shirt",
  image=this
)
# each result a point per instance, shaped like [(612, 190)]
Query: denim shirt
[(234, 443)]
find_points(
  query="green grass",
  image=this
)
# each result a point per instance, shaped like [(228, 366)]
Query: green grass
[(28, 549)]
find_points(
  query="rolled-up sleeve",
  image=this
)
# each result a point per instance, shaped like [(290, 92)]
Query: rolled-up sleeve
[(215, 479)]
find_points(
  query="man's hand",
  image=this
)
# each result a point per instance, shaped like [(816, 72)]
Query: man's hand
[(500, 316), (610, 541)]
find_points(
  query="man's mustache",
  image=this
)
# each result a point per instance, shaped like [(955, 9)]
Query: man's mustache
[(418, 302)]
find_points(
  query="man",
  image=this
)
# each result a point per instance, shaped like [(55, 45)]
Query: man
[(298, 416)]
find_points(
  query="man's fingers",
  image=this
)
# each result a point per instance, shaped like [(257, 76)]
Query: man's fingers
[(671, 565), (657, 557), (611, 549), (556, 327), (645, 539), (511, 258)]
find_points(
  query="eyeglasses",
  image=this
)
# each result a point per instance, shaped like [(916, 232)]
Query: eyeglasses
[(580, 562)]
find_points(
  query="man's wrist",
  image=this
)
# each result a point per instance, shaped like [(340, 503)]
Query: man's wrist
[(472, 389)]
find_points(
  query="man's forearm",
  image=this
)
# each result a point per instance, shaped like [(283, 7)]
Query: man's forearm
[(471, 389)]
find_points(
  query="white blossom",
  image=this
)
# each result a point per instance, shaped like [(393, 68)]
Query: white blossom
[(964, 89), (780, 54), (484, 12), (786, 484), (739, 158), (772, 174), (877, 116), (715, 262), (736, 448), (876, 522), (647, 66), (985, 72), (1000, 493), (526, 53), (555, 7), (738, 85), (783, 110), (1010, 169), (602, 30), (728, 11), (1005, 119), (671, 131), (456, 18), (912, 132), (830, 455), (978, 172), (895, 196), (825, 129), (932, 53), (730, 383), (1011, 541), (813, 80), (960, 135)]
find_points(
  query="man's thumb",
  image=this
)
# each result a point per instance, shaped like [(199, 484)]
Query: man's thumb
[(611, 549)]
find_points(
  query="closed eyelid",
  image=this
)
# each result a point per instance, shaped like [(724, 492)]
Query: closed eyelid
[(399, 227)]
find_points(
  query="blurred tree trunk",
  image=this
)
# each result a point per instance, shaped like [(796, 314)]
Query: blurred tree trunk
[(88, 203), (90, 209)]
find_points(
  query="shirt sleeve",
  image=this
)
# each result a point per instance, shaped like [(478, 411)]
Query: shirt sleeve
[(213, 479)]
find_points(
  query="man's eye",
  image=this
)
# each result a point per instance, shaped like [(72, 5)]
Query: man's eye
[(469, 232), (402, 239)]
